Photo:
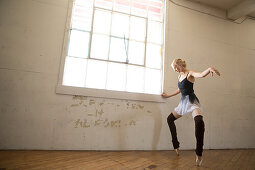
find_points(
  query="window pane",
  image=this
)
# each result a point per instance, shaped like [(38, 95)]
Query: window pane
[(113, 20), (155, 10), (96, 74), (116, 78), (74, 72), (79, 44), (137, 28), (154, 32), (152, 81), (122, 6), (100, 46), (153, 56), (139, 8), (107, 4), (120, 25), (102, 22), (82, 14), (136, 52), (117, 50), (135, 79)]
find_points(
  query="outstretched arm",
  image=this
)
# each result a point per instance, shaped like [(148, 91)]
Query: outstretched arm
[(170, 95), (205, 73)]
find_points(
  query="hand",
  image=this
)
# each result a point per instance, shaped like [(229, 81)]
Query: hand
[(164, 95), (214, 70)]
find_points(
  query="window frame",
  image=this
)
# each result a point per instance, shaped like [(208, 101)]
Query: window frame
[(104, 93)]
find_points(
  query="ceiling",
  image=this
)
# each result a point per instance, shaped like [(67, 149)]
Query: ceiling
[(242, 7)]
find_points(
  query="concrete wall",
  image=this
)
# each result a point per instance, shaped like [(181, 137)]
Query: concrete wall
[(33, 116)]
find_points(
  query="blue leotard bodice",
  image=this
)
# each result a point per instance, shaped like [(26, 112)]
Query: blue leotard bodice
[(186, 88)]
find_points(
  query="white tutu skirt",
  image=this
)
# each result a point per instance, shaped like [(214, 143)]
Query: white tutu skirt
[(185, 106)]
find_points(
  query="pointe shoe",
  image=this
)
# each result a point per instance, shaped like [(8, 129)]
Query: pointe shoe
[(177, 151), (198, 162)]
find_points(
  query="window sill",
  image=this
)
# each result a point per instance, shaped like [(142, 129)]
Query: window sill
[(81, 91)]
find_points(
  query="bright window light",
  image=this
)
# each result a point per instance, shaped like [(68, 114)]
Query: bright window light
[(75, 70), (116, 77), (115, 45), (96, 74), (100, 42), (136, 52), (135, 79), (79, 44), (137, 28)]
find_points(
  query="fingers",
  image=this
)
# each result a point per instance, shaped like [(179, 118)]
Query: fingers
[(215, 71), (218, 73), (164, 95)]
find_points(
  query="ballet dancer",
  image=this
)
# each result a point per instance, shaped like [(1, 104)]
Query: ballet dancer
[(189, 104)]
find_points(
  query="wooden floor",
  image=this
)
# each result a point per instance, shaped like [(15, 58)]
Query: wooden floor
[(212, 159)]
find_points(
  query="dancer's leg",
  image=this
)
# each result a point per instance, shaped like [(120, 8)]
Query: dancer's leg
[(170, 120), (199, 132)]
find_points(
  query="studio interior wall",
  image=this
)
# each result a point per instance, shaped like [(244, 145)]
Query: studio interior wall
[(33, 116)]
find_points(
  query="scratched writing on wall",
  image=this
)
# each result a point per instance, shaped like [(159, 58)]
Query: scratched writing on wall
[(85, 123)]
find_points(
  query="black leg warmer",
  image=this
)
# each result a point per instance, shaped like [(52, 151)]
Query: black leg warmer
[(199, 132), (170, 121)]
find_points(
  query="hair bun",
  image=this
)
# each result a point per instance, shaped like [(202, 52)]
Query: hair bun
[(180, 62)]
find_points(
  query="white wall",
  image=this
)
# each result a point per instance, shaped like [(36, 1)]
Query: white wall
[(33, 116)]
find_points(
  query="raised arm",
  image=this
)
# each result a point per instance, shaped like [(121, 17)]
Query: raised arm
[(172, 94), (205, 73)]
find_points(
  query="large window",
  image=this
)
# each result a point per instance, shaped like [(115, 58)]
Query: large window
[(115, 45)]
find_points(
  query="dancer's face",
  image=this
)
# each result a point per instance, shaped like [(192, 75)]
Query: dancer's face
[(177, 68)]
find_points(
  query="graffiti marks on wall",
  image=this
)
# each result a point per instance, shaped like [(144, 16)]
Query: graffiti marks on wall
[(85, 123), (90, 113)]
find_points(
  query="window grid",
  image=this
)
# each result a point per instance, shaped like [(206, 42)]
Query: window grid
[(126, 39), (91, 32), (108, 57), (110, 35), (144, 63)]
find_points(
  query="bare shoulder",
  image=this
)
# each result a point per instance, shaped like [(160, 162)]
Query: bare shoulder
[(191, 77), (191, 73)]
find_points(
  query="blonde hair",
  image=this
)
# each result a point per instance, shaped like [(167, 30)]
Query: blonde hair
[(179, 62)]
